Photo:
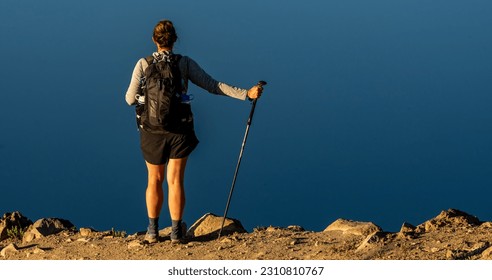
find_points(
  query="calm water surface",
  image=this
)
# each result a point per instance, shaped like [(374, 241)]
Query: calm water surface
[(375, 110)]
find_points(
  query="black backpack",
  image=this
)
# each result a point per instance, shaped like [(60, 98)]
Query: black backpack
[(163, 110)]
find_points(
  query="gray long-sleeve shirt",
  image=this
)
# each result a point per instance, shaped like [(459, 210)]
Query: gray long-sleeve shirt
[(190, 71)]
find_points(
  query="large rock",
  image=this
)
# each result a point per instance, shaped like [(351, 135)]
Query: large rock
[(353, 227), (407, 231), (209, 225), (85, 232), (45, 227), (449, 218), (13, 220), (11, 248)]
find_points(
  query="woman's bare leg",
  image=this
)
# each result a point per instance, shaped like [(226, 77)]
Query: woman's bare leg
[(175, 181), (154, 195)]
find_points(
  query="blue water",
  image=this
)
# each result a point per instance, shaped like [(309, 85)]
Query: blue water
[(374, 110)]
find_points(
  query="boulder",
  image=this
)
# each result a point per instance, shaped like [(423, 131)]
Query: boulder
[(13, 220), (44, 227), (407, 228), (353, 227), (165, 231), (85, 232), (451, 217), (11, 248), (407, 231), (209, 225)]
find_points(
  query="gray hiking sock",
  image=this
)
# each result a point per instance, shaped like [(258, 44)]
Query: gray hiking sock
[(176, 229), (153, 225)]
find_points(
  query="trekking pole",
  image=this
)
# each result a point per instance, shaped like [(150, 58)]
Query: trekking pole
[(250, 119)]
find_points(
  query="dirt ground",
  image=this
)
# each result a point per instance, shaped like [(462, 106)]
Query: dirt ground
[(442, 238)]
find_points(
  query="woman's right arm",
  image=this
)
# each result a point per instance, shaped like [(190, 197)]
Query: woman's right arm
[(134, 87)]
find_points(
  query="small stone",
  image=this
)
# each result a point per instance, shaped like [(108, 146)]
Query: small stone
[(372, 240), (38, 250), (295, 228), (260, 254), (135, 244), (449, 254), (271, 229), (259, 229), (83, 239), (226, 240), (295, 242), (85, 232)]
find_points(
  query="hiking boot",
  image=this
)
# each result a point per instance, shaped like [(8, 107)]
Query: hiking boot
[(178, 235), (152, 235)]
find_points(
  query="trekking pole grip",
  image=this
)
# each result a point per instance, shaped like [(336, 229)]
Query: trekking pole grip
[(250, 119)]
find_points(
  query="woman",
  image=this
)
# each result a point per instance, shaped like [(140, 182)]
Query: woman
[(167, 154)]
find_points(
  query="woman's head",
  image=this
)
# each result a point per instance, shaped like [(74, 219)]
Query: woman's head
[(164, 34)]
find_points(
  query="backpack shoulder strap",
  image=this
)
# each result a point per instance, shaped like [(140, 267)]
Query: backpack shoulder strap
[(149, 59)]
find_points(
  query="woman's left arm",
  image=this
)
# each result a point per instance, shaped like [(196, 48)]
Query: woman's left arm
[(192, 71)]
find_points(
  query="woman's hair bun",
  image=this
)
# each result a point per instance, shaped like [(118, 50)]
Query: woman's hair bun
[(165, 34)]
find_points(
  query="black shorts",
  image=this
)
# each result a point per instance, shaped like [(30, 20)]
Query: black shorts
[(159, 148)]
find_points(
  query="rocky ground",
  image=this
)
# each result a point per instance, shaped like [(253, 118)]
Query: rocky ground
[(452, 234)]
